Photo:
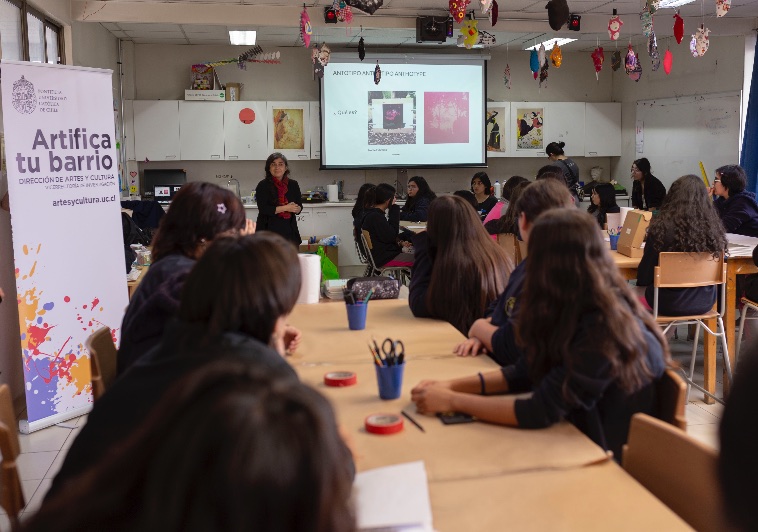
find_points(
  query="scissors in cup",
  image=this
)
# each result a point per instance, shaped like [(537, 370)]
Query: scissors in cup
[(394, 351)]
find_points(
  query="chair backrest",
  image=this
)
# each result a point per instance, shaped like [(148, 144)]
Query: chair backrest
[(672, 399), (689, 270), (11, 496), (368, 246), (102, 356), (677, 469)]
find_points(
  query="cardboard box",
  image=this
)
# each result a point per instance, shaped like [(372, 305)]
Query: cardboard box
[(633, 233), (331, 252), (214, 95)]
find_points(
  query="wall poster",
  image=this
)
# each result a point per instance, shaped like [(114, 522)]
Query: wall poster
[(497, 123), (529, 129), (289, 129)]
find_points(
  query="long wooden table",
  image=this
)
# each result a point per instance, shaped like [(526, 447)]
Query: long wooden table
[(481, 476)]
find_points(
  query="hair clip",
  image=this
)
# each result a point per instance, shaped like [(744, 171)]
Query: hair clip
[(221, 208)]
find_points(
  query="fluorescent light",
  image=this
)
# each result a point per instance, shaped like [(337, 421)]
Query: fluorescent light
[(550, 43), (673, 3), (242, 37)]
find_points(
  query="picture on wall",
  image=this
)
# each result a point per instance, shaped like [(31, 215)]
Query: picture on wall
[(391, 117), (495, 117), (529, 129), (446, 117), (288, 128)]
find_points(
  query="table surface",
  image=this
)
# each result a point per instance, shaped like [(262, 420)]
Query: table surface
[(499, 475)]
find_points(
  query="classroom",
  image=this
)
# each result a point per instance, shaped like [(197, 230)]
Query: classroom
[(689, 119)]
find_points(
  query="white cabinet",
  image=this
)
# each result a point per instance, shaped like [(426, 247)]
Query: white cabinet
[(305, 222), (602, 137), (564, 122), (245, 131), (201, 131), (337, 220), (315, 121), (156, 130)]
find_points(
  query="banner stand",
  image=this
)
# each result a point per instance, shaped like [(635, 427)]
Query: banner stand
[(27, 427)]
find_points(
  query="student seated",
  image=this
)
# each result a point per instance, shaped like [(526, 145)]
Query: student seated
[(358, 210), (481, 186), (459, 271), (592, 353), (386, 249), (551, 171), (736, 206), (647, 190), (508, 222), (230, 446), (419, 197), (234, 304), (603, 202), (494, 334), (199, 213), (687, 222), (502, 205), (468, 196)]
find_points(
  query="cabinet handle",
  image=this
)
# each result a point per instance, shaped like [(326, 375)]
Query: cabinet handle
[(215, 157), (320, 213), (170, 156), (233, 157), (302, 156), (592, 153)]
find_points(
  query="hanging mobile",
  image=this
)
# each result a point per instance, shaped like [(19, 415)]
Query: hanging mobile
[(377, 73)]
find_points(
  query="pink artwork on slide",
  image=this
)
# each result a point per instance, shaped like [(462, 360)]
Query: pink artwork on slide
[(446, 117)]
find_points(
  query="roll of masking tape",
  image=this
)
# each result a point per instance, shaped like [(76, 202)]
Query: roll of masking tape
[(340, 378), (384, 424)]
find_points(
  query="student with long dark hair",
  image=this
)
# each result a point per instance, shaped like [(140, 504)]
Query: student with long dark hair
[(508, 222), (687, 222), (229, 447), (603, 202), (200, 212), (458, 269), (598, 364), (736, 206), (647, 190), (481, 186), (502, 205), (419, 198), (386, 250), (235, 303), (359, 208), (279, 199)]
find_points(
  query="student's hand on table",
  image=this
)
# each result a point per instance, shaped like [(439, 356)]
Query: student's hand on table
[(292, 337), (432, 398), (470, 348)]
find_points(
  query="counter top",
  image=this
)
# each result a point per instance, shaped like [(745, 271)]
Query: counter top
[(347, 203)]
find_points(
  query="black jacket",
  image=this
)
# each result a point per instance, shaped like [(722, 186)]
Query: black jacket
[(267, 198), (486, 206), (654, 193), (383, 233), (739, 213), (417, 212), (503, 313)]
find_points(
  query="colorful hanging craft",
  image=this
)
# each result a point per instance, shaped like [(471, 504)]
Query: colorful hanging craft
[(345, 14), (646, 19), (367, 6), (361, 49), (534, 63), (486, 39), (614, 27), (616, 60), (652, 51), (253, 55), (678, 28), (651, 6), (722, 7), (470, 33), (486, 5), (633, 65), (457, 9), (305, 28), (507, 76), (544, 65), (556, 56), (597, 60), (320, 58), (493, 12), (668, 61), (557, 13), (377, 73), (699, 42)]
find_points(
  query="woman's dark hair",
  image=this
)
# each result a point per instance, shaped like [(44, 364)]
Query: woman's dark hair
[(733, 178), (551, 171), (569, 274), (643, 165), (229, 447), (485, 179), (470, 269), (688, 221), (242, 284), (468, 196), (360, 201), (423, 192), (379, 194), (512, 183), (200, 211), (271, 158), (607, 194), (540, 196), (508, 222), (555, 148)]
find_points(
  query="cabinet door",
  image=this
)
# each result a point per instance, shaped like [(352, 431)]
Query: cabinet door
[(564, 122), (315, 121), (289, 129), (602, 136), (305, 223), (201, 131), (156, 130), (245, 133), (329, 221)]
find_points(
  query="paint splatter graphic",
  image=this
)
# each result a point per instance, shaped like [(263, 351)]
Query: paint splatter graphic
[(446, 117)]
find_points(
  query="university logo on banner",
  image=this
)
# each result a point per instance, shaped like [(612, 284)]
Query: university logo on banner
[(67, 239)]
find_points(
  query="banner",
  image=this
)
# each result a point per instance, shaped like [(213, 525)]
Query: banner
[(67, 237)]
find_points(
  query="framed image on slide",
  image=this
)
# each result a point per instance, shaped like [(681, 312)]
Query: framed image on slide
[(498, 122), (289, 129)]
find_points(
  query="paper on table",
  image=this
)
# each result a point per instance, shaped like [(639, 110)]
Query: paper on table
[(741, 245), (393, 498)]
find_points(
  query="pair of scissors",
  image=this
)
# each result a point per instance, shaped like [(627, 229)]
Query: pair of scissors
[(394, 351)]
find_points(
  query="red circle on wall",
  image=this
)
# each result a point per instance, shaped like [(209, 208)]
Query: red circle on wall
[(247, 116)]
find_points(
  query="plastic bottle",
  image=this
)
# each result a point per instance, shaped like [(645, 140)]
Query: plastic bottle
[(497, 189)]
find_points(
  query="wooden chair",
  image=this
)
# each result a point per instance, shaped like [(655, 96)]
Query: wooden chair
[(398, 272), (691, 270), (102, 357), (11, 496), (672, 399), (677, 469), (747, 305), (364, 260)]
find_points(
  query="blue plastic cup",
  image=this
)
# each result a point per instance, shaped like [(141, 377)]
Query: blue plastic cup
[(356, 316), (614, 241), (390, 380)]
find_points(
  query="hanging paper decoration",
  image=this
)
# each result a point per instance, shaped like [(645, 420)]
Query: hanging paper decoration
[(597, 60), (652, 51), (305, 28), (345, 14), (534, 63), (541, 55), (486, 6), (668, 61), (253, 55), (699, 42), (678, 28), (377, 74), (542, 58), (557, 13), (646, 19), (493, 12), (722, 7), (651, 6), (556, 56), (633, 65), (614, 27), (507, 76), (616, 60), (486, 39), (361, 49), (470, 33), (367, 6), (457, 9), (320, 58)]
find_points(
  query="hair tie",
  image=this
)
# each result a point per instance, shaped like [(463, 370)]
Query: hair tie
[(221, 208)]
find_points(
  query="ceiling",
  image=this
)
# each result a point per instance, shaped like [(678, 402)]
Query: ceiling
[(520, 22)]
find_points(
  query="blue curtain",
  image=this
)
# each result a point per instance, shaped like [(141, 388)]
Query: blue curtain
[(749, 156)]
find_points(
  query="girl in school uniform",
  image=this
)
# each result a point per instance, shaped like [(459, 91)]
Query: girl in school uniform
[(736, 206), (603, 202), (419, 197), (481, 186), (384, 229), (598, 365), (647, 190), (687, 222)]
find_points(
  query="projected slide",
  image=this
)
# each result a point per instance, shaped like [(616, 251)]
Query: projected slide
[(420, 114)]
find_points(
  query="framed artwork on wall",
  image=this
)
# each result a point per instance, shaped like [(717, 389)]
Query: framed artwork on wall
[(529, 130), (497, 132), (289, 129)]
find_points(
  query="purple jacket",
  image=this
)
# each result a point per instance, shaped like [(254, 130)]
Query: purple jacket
[(739, 213)]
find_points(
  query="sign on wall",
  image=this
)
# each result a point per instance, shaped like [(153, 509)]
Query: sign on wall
[(67, 238)]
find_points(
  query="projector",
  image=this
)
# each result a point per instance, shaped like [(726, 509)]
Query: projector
[(431, 29)]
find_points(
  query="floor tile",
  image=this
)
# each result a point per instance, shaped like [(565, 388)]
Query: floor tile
[(33, 466), (707, 434), (39, 495), (70, 440), (28, 487), (82, 420), (48, 439), (56, 465), (698, 416)]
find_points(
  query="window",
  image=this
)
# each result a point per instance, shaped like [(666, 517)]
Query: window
[(11, 42), (27, 35)]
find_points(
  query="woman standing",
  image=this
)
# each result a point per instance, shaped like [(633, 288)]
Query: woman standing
[(419, 198), (647, 190), (736, 206), (569, 168), (603, 203), (279, 200), (481, 186)]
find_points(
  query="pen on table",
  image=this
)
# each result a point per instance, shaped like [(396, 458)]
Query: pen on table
[(409, 418)]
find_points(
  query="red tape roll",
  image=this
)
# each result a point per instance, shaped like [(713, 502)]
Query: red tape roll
[(340, 378), (384, 424)]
